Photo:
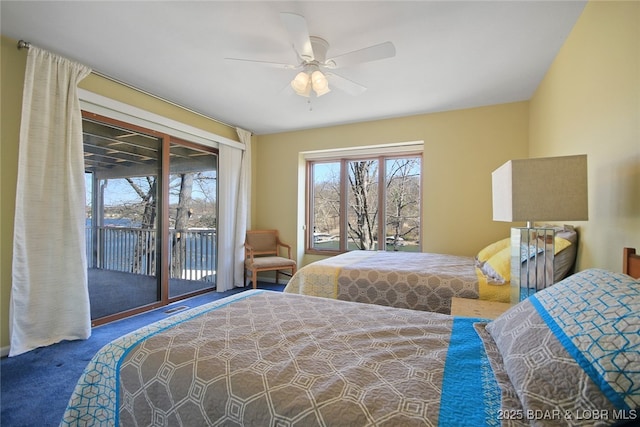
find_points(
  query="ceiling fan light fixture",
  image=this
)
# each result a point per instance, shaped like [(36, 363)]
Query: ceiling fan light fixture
[(301, 84), (319, 83), (312, 55)]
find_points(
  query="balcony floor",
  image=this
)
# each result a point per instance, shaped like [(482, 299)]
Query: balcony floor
[(111, 292)]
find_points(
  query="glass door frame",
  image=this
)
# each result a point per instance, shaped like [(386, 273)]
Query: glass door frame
[(162, 241)]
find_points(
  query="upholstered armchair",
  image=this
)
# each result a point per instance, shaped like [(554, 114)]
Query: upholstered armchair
[(263, 251)]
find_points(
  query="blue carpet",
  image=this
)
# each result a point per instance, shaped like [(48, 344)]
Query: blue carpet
[(35, 387)]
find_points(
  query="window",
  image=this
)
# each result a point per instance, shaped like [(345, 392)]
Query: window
[(348, 197)]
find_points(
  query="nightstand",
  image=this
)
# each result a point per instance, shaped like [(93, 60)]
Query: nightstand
[(478, 308)]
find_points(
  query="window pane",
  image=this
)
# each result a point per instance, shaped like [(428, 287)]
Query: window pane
[(121, 168), (402, 204), (192, 220), (362, 204), (325, 211)]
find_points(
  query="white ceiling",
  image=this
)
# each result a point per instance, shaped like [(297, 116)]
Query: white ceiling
[(449, 54)]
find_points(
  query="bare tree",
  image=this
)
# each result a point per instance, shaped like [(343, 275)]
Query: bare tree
[(183, 213), (206, 185), (363, 207), (326, 195), (402, 195), (144, 253)]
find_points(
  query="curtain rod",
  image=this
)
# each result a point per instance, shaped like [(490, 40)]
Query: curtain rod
[(27, 45)]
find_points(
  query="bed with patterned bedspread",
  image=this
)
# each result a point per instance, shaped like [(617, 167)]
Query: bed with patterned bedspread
[(420, 280), (263, 358), (415, 280)]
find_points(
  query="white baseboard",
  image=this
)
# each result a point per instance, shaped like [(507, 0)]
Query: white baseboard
[(4, 351)]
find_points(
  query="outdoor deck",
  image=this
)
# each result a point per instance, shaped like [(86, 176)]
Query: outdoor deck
[(122, 273)]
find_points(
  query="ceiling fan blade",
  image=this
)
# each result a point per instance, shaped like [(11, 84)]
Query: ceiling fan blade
[(296, 25), (367, 54), (344, 84), (267, 63)]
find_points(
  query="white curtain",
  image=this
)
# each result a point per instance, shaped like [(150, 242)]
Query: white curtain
[(233, 212), (49, 295), (243, 217)]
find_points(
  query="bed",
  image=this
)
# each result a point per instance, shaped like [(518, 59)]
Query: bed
[(263, 358), (422, 281)]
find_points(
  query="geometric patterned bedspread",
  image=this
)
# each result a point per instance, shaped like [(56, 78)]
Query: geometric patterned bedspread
[(266, 358), (414, 280)]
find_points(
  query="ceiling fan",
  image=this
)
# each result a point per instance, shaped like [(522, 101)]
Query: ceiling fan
[(315, 68)]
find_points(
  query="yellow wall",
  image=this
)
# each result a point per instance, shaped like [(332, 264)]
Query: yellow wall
[(461, 149), (13, 64), (589, 102)]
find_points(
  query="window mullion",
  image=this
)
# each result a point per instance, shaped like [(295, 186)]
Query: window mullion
[(310, 205), (163, 220), (344, 179), (382, 214)]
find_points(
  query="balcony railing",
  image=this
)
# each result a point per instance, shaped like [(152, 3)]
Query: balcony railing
[(192, 252)]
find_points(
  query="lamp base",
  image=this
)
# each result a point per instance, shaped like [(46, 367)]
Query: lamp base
[(532, 253)]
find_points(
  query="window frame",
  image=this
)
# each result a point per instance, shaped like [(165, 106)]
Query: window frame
[(344, 157)]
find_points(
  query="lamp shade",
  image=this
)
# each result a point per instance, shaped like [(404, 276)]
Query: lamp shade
[(541, 189), (320, 83), (301, 84)]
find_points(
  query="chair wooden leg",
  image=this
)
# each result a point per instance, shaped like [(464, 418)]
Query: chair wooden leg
[(255, 279)]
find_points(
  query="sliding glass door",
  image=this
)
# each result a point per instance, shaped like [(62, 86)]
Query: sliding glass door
[(151, 218)]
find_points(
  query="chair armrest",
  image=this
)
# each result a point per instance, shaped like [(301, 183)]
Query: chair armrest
[(248, 251), (284, 245)]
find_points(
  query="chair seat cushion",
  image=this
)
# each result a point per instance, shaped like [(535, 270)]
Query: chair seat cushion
[(270, 262)]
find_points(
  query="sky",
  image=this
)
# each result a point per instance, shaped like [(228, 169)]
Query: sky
[(119, 191)]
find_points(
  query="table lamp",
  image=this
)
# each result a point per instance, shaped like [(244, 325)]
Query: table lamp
[(538, 189)]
